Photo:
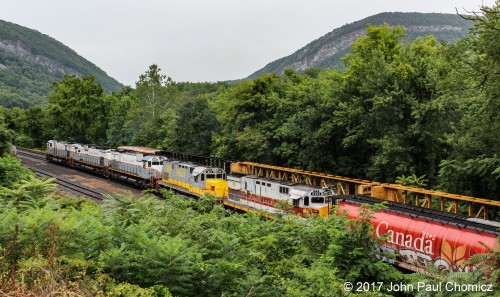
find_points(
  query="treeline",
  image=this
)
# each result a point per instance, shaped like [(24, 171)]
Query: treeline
[(423, 111)]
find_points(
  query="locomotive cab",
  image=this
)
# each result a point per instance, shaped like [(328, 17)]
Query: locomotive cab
[(154, 162), (311, 200), (198, 180), (211, 180)]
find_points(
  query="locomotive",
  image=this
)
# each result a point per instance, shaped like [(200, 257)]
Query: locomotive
[(264, 194), (138, 169), (194, 179), (417, 236)]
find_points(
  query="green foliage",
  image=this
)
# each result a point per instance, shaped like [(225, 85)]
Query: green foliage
[(193, 118), (478, 177), (412, 181), (6, 136), (120, 116), (77, 111), (472, 166), (12, 172)]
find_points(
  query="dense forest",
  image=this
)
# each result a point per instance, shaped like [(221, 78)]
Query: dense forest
[(420, 112), (420, 109)]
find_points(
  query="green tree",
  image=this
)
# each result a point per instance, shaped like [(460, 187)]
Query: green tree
[(121, 113), (473, 165), (194, 126), (153, 116), (151, 91), (393, 119), (244, 113), (77, 110)]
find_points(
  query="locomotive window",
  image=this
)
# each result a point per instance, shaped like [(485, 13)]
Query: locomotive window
[(258, 182), (210, 176), (317, 200), (191, 170), (161, 163), (202, 177), (268, 185), (196, 179), (284, 190), (306, 201), (220, 176), (156, 163), (149, 163), (245, 185)]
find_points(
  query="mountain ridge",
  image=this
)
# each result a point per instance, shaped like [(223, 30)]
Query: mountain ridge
[(327, 50), (30, 62)]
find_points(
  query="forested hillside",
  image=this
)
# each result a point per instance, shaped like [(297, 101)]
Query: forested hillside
[(30, 62), (420, 112), (326, 52)]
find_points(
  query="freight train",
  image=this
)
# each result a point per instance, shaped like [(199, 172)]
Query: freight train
[(417, 236)]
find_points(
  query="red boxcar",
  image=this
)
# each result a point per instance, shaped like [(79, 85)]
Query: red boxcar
[(419, 240)]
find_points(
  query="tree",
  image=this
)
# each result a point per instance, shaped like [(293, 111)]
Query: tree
[(153, 109), (152, 92), (473, 166), (77, 110), (122, 110), (394, 122), (244, 113), (195, 125)]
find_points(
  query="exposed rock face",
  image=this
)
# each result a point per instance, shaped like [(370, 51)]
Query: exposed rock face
[(326, 51), (17, 48), (308, 57), (311, 58)]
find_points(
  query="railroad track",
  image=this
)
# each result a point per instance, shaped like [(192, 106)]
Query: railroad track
[(31, 153), (95, 195), (72, 187)]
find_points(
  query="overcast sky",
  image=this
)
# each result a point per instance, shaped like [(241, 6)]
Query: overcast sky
[(198, 40)]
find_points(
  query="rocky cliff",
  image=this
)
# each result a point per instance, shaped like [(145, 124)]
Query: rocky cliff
[(326, 51)]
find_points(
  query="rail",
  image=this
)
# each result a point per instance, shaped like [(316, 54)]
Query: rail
[(73, 187)]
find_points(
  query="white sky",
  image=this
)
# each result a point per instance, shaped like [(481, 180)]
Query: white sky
[(198, 40)]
